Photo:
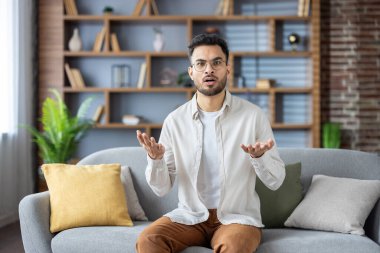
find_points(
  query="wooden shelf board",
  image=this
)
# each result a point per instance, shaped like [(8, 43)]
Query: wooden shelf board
[(159, 126), (130, 90), (291, 126), (124, 54), (179, 18), (121, 125), (183, 54), (274, 89), (247, 17), (185, 89), (273, 54)]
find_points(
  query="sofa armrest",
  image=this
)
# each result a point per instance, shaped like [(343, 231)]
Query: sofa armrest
[(372, 225), (34, 212)]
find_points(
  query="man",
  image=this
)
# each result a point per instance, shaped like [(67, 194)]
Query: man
[(215, 145)]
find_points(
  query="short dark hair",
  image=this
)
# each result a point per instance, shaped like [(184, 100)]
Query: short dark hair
[(208, 39)]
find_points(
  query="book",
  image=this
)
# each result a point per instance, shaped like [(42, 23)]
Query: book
[(99, 40), (115, 43), (70, 76), (301, 4), (67, 7), (264, 83), (78, 79), (98, 113), (138, 8), (130, 119), (154, 7), (141, 80), (219, 9), (226, 7), (70, 7), (306, 8)]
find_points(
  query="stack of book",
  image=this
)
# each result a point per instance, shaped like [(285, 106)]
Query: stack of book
[(101, 43), (130, 119), (75, 77)]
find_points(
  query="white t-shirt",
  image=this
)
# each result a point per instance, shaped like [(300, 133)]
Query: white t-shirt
[(209, 180)]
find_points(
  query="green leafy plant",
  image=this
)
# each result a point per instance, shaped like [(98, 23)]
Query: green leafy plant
[(331, 135), (61, 132), (107, 9)]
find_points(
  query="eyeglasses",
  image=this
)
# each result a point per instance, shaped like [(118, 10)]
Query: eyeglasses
[(201, 65)]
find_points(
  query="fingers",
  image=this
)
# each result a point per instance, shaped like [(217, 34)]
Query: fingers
[(258, 149), (155, 150)]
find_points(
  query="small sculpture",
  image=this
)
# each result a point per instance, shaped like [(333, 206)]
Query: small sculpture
[(294, 40)]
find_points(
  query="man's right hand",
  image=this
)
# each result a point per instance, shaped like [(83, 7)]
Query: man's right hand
[(155, 150)]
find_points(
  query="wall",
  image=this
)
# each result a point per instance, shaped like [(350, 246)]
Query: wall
[(350, 70)]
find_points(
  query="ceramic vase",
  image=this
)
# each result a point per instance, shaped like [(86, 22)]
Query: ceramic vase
[(75, 43), (158, 42)]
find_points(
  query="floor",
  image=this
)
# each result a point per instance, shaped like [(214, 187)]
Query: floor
[(10, 239)]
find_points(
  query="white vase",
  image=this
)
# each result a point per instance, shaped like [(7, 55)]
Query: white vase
[(158, 42), (75, 43)]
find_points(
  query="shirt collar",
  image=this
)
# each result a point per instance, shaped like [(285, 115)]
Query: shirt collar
[(194, 106)]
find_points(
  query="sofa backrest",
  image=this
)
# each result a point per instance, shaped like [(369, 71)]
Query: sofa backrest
[(332, 162)]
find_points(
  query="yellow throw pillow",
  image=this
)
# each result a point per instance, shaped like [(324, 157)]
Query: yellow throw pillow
[(85, 195)]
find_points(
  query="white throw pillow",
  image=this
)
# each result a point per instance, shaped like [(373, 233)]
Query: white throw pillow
[(336, 204), (134, 208)]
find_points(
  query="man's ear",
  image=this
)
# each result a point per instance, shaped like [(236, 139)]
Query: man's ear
[(228, 69), (190, 71)]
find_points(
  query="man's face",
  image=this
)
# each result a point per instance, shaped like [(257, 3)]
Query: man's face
[(209, 70)]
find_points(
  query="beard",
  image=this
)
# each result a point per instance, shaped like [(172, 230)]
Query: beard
[(214, 90)]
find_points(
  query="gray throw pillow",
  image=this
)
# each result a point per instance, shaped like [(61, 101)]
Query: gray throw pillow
[(336, 204), (134, 208), (276, 206)]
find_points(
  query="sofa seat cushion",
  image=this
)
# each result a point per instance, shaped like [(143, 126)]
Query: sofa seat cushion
[(100, 239), (311, 241), (112, 239)]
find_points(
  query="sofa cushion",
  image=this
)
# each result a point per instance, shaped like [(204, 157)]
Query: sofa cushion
[(123, 239), (298, 240), (336, 204), (104, 239), (86, 195), (134, 208), (276, 206)]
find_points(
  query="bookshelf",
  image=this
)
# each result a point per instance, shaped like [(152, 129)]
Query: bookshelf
[(257, 36)]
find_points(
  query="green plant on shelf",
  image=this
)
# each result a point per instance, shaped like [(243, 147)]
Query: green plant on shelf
[(61, 132), (331, 135), (107, 10)]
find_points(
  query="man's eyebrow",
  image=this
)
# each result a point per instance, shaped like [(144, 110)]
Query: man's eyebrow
[(214, 59)]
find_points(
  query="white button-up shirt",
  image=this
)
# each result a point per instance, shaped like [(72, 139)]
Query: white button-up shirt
[(182, 133)]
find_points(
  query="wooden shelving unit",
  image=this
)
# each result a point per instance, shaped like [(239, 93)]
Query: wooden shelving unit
[(54, 24)]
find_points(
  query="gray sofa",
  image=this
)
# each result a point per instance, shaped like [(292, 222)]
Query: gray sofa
[(34, 209)]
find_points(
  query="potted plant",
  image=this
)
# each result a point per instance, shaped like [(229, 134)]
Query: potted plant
[(331, 135), (61, 132)]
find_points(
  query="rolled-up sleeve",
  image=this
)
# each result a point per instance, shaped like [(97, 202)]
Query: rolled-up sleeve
[(269, 167), (160, 174)]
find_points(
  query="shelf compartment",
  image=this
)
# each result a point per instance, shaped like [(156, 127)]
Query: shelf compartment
[(144, 104), (97, 72), (293, 109), (166, 71), (139, 36), (297, 138), (286, 72)]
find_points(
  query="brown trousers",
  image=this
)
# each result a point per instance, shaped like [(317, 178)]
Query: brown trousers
[(163, 235)]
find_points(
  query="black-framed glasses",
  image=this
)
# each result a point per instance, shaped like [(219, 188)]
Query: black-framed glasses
[(200, 65)]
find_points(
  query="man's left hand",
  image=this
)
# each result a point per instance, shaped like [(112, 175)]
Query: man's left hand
[(258, 149)]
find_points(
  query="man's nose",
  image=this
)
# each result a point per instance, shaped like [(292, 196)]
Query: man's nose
[(209, 69)]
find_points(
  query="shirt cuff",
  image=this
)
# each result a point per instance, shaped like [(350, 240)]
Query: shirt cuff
[(155, 163), (258, 162)]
